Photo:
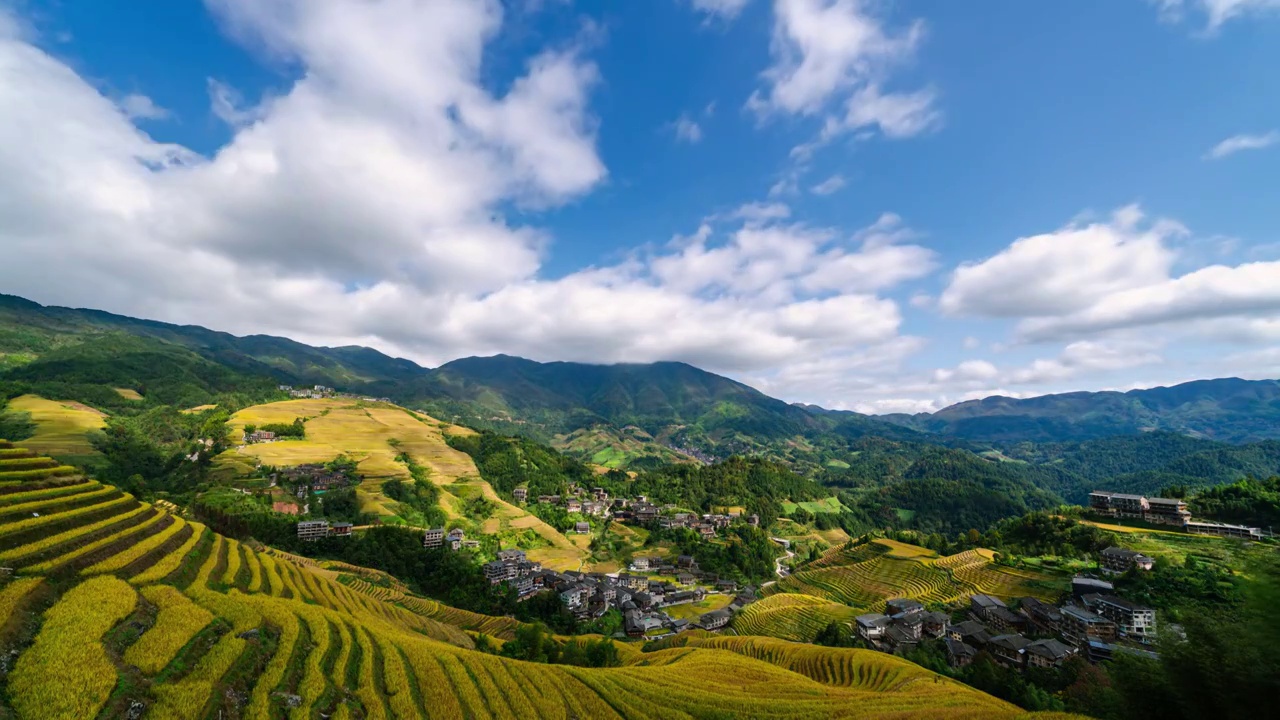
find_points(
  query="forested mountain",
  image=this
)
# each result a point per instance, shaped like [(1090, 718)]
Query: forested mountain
[(1228, 409)]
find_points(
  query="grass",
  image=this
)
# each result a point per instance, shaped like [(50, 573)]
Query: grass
[(692, 611), (128, 393), (62, 428)]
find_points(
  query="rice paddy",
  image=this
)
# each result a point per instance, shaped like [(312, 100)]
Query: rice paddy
[(863, 577), (373, 434), (182, 623), (62, 428)]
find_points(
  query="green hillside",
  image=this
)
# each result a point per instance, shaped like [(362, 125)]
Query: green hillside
[(117, 609), (1227, 409)]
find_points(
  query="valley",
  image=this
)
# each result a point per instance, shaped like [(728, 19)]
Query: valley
[(504, 538)]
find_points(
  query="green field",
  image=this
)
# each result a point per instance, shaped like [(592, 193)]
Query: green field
[(826, 505), (863, 577), (114, 604)]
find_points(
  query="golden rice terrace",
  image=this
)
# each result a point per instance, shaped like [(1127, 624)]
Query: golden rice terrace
[(112, 608)]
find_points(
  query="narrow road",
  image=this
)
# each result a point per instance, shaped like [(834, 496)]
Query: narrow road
[(777, 563)]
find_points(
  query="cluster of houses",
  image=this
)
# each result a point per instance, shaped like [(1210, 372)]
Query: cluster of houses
[(311, 530), (320, 391), (1163, 511), (640, 599), (597, 503), (1036, 634), (455, 539), (311, 478), (259, 436)]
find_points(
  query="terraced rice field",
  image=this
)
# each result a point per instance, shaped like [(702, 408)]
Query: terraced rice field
[(121, 610), (790, 616), (865, 576), (374, 434), (61, 427)]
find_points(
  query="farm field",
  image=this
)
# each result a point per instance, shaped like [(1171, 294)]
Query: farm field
[(791, 616), (826, 505), (692, 611), (373, 434), (863, 577), (61, 427), (196, 625)]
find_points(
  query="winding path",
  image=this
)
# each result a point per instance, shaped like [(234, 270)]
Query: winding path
[(777, 562)]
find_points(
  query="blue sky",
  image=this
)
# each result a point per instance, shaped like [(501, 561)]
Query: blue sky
[(873, 205)]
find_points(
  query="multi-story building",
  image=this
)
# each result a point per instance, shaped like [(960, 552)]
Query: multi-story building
[(1169, 511), (433, 538), (521, 494), (1079, 626), (872, 626), (1223, 529), (1044, 617), (1134, 621), (1119, 560), (311, 530), (498, 571), (1047, 653), (1009, 650), (1117, 504), (981, 605)]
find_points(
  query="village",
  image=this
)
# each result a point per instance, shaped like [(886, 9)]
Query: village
[(1030, 633)]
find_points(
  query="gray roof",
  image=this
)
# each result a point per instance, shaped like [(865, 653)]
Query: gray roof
[(872, 620), (1050, 648), (986, 601), (1013, 641), (959, 647)]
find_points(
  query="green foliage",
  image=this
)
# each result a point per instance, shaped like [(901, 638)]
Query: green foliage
[(742, 552), (296, 429), (1196, 585), (1246, 502)]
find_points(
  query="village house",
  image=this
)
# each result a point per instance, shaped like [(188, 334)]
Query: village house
[(1044, 617), (433, 538), (1008, 650), (707, 531), (1223, 530), (971, 632), (521, 494), (1079, 626), (753, 520), (1003, 620), (260, 436), (1047, 653), (311, 530), (643, 563), (595, 508), (1167, 511), (573, 506), (959, 653), (340, 529), (1134, 621), (1120, 560), (497, 571), (454, 538), (1081, 586), (582, 528), (714, 620), (872, 626), (981, 605), (901, 606), (934, 624)]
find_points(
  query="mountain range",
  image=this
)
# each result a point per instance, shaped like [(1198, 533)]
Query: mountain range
[(654, 409)]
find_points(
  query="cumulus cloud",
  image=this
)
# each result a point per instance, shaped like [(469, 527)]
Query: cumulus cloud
[(1238, 143), (1063, 271), (368, 203), (832, 57), (1106, 276)]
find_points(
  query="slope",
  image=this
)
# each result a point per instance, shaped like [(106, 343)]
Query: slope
[(374, 434), (151, 612)]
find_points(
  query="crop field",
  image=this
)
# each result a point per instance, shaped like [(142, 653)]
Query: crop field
[(826, 505), (692, 611), (61, 427), (128, 393), (864, 577), (374, 434), (791, 616), (182, 623)]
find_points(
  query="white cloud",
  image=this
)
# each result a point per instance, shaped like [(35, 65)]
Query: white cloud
[(687, 130), (1216, 12), (1237, 143), (1089, 279), (1063, 271), (836, 52), (723, 9), (828, 186), (968, 370), (141, 107), (367, 204), (971, 343)]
